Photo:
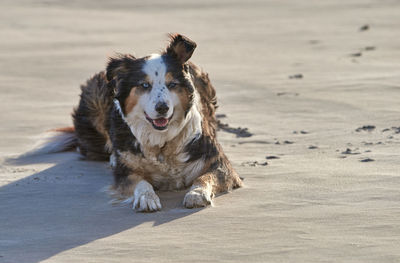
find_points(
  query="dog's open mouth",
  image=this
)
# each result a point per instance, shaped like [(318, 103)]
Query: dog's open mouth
[(160, 123)]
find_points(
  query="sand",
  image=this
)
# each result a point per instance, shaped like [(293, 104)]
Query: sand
[(301, 76)]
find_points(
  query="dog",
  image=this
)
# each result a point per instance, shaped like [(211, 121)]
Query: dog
[(154, 119)]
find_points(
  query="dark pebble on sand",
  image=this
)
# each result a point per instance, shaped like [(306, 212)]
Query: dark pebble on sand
[(312, 147), (284, 142), (364, 28), (367, 160), (369, 48), (220, 116), (271, 157), (396, 129), (301, 132), (349, 151), (368, 128), (286, 93), (358, 54), (296, 76)]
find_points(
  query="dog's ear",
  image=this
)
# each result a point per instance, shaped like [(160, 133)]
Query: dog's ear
[(118, 65), (180, 47)]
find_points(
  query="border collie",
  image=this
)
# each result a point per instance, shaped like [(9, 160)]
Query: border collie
[(154, 119)]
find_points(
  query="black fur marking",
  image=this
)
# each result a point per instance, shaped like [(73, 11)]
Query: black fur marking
[(121, 173), (202, 147), (189, 46), (118, 64), (121, 135), (90, 142), (124, 73), (178, 72), (186, 68), (215, 165)]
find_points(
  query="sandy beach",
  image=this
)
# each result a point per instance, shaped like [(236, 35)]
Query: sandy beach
[(309, 107)]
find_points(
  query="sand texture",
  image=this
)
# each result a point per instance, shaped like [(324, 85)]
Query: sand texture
[(313, 85)]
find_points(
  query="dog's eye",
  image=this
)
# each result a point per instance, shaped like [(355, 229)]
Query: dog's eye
[(171, 85), (145, 85)]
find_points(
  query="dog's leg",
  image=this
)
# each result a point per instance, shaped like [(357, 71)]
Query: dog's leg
[(206, 186), (144, 198), (131, 184), (201, 192)]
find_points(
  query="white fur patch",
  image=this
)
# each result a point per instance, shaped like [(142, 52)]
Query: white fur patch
[(198, 197), (156, 69), (145, 199), (113, 160)]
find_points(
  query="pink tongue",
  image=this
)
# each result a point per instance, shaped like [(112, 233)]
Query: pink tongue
[(161, 122)]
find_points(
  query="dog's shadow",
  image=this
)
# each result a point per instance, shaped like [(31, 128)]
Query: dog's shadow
[(65, 206)]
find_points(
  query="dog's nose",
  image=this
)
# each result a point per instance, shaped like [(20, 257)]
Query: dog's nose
[(162, 107)]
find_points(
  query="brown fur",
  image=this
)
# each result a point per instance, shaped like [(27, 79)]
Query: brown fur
[(91, 117), (169, 77), (65, 129), (184, 97), (131, 100), (99, 106), (181, 47), (208, 98)]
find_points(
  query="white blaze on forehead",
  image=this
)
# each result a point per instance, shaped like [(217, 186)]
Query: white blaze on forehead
[(156, 69)]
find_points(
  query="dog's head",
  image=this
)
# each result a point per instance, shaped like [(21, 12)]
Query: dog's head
[(156, 92)]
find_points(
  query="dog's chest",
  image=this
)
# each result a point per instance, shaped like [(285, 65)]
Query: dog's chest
[(165, 172), (164, 169)]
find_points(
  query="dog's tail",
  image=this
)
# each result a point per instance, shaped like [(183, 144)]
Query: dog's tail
[(56, 140)]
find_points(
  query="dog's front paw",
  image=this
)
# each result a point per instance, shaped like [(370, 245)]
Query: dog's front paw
[(197, 197), (147, 202), (145, 199)]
